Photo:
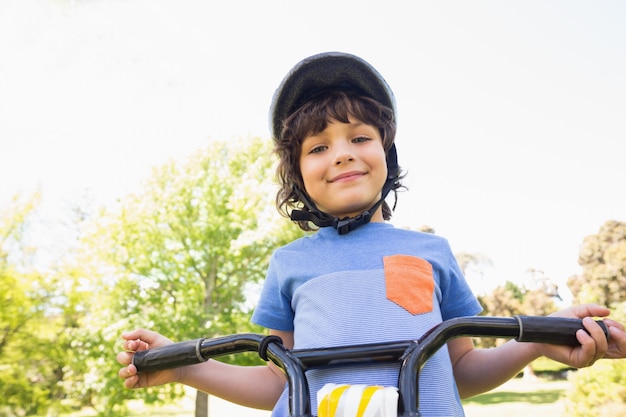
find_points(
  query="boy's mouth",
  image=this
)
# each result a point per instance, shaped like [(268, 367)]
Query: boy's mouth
[(347, 176)]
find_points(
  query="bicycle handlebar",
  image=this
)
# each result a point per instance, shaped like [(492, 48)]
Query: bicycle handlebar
[(412, 354)]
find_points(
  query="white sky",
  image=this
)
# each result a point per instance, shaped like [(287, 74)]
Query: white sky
[(511, 113)]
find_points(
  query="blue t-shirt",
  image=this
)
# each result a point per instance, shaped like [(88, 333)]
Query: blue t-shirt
[(375, 284)]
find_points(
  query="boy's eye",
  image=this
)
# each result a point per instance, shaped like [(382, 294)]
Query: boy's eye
[(360, 139), (318, 149)]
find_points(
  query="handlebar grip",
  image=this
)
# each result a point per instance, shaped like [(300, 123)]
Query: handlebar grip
[(552, 330), (170, 356)]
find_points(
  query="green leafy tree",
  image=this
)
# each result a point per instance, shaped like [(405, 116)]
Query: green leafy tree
[(511, 299), (599, 390), (505, 300), (183, 257), (32, 358), (603, 260)]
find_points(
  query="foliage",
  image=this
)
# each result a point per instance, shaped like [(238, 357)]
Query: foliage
[(510, 300), (603, 261), (34, 320), (599, 390), (181, 258), (549, 366), (467, 260), (504, 301)]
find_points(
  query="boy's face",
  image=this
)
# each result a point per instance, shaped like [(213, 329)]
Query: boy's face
[(344, 168)]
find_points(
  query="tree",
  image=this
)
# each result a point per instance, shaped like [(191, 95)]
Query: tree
[(183, 256), (32, 342), (505, 300), (473, 266), (511, 299), (476, 261), (603, 260), (538, 298), (599, 390)]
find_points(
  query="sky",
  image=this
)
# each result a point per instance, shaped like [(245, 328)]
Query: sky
[(511, 114)]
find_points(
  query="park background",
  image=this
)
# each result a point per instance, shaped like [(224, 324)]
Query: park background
[(511, 114)]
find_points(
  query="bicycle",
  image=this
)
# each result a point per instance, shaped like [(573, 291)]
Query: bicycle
[(412, 354)]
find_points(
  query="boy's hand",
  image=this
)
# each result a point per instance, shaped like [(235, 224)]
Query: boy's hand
[(593, 343), (134, 341)]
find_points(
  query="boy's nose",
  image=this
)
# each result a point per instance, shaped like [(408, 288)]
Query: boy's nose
[(343, 154)]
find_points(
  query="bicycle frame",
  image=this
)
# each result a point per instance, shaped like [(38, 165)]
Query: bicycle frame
[(412, 354)]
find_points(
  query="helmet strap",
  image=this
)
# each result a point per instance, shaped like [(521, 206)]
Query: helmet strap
[(343, 225)]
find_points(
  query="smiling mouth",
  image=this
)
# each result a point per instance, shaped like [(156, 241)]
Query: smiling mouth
[(347, 176)]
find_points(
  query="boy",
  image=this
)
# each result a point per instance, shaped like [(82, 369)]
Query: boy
[(358, 279)]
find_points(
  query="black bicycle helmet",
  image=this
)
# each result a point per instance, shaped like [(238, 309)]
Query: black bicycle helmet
[(326, 72)]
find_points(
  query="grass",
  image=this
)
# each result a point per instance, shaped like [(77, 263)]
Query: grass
[(539, 397), (499, 397)]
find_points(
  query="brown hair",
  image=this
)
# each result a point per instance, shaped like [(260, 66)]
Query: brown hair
[(312, 118)]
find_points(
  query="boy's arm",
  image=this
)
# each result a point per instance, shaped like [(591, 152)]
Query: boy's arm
[(480, 370), (251, 386)]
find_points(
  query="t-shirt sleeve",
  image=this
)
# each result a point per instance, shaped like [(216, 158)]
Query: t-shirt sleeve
[(273, 310)]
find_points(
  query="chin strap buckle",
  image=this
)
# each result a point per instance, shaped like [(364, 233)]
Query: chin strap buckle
[(348, 224)]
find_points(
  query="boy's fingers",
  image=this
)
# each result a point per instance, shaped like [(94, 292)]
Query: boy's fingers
[(585, 354), (617, 343), (134, 345), (125, 373), (131, 382), (590, 310), (124, 358), (612, 323), (595, 344)]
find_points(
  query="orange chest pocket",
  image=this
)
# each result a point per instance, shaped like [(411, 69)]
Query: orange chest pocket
[(410, 284)]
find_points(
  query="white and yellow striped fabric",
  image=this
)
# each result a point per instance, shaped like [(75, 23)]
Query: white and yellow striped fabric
[(340, 400)]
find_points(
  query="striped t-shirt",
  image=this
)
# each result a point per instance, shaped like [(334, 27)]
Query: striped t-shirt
[(375, 284)]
